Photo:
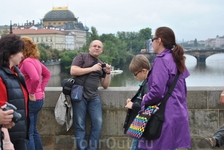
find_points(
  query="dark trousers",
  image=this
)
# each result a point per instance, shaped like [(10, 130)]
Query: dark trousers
[(20, 144), (219, 136)]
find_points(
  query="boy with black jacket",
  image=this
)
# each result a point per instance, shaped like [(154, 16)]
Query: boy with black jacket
[(140, 68)]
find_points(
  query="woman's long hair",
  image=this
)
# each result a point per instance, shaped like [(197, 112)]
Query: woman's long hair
[(167, 37)]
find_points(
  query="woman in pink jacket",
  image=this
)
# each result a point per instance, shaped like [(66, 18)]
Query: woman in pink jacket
[(37, 77)]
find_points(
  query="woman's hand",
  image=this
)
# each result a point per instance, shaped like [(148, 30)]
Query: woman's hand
[(9, 125), (32, 97), (8, 146), (6, 116)]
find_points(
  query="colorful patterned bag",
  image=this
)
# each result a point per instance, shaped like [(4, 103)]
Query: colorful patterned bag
[(138, 125)]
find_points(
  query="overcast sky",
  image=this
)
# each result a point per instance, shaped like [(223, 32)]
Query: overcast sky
[(190, 19)]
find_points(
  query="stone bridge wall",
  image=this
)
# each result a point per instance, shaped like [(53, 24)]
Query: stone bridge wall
[(206, 115)]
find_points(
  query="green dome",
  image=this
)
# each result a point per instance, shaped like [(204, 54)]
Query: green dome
[(55, 15)]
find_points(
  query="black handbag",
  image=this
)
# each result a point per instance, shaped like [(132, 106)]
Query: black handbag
[(154, 126)]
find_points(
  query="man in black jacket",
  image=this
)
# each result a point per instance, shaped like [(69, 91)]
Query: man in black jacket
[(217, 140)]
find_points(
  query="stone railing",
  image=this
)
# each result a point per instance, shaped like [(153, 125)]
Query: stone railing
[(206, 115)]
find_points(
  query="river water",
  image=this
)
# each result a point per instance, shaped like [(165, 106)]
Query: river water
[(209, 74)]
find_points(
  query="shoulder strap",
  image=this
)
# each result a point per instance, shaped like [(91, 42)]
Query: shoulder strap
[(86, 75), (166, 97)]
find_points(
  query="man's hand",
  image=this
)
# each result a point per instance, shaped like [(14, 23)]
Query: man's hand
[(96, 67), (107, 68)]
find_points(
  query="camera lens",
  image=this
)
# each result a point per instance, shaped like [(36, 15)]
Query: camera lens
[(16, 117)]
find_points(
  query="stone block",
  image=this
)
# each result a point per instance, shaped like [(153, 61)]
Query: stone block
[(197, 100), (115, 97), (213, 100), (48, 142), (115, 143), (64, 142), (203, 122), (51, 98), (113, 121)]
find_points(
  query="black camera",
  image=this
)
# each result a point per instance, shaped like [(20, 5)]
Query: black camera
[(16, 116), (103, 65)]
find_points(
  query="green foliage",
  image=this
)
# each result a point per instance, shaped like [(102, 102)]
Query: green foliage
[(195, 43), (66, 60), (44, 45), (93, 36), (135, 41), (44, 54), (6, 31)]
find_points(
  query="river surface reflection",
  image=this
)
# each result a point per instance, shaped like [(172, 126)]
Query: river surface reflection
[(209, 74)]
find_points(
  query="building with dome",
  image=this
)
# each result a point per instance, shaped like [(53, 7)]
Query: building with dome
[(59, 29), (61, 18)]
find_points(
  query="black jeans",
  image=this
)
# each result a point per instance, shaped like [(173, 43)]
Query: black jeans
[(20, 144), (219, 136)]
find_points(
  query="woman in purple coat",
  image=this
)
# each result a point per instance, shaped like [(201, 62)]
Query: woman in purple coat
[(169, 60)]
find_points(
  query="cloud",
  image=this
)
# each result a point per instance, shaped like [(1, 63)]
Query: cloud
[(189, 19)]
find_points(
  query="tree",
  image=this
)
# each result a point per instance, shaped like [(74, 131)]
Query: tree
[(66, 60), (44, 55), (135, 41), (195, 43), (6, 31), (93, 35)]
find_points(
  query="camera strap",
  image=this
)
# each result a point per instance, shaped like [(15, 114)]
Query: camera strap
[(86, 75)]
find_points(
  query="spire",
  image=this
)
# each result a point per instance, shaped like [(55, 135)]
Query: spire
[(10, 26)]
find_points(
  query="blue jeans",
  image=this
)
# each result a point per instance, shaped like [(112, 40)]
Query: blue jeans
[(134, 144), (80, 109), (34, 137)]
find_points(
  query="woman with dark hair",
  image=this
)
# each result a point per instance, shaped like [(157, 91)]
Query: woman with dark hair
[(37, 77), (13, 90), (169, 61)]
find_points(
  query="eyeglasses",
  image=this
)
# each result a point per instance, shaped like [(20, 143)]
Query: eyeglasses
[(135, 74), (154, 39)]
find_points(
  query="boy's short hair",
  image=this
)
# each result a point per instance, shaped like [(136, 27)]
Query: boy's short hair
[(138, 63)]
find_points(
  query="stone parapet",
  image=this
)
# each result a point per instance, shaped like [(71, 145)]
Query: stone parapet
[(206, 115)]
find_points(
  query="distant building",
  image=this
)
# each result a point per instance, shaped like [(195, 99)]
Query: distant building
[(149, 47), (219, 41), (201, 42), (56, 39), (210, 42), (62, 18), (59, 24), (59, 16)]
